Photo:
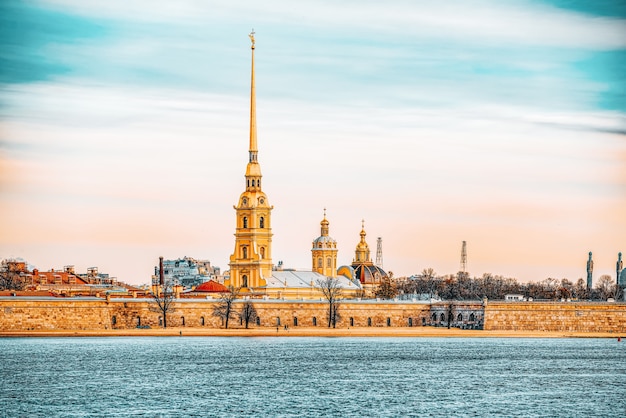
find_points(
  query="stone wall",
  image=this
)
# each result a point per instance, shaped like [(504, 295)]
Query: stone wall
[(67, 314), (23, 314), (556, 316)]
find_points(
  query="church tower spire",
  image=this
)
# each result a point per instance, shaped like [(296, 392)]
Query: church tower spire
[(324, 251), (253, 144), (362, 252), (251, 262)]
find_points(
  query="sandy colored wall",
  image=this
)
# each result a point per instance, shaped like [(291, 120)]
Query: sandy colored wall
[(556, 316), (23, 314), (66, 314)]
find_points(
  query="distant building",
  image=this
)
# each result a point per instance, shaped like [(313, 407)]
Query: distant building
[(187, 272)]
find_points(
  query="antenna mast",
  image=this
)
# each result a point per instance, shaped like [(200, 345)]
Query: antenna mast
[(379, 252), (464, 257)]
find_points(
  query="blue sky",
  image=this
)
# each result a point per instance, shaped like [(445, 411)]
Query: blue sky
[(124, 131)]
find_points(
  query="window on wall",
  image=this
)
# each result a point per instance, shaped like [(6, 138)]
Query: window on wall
[(295, 321), (244, 250), (258, 320), (369, 322), (201, 321), (113, 320), (278, 321), (410, 322), (244, 280), (262, 222), (138, 321), (319, 262), (182, 321), (442, 317), (245, 221), (459, 317), (329, 262), (314, 321), (351, 321), (434, 316), (252, 183), (262, 251), (472, 318), (388, 322)]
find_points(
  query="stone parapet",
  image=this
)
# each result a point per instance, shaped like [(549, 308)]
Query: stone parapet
[(556, 316)]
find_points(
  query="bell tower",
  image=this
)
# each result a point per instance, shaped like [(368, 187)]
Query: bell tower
[(324, 252), (251, 262)]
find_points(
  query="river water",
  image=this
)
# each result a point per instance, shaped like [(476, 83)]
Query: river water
[(318, 377)]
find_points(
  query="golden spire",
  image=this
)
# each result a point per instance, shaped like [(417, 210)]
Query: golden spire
[(253, 145), (324, 223)]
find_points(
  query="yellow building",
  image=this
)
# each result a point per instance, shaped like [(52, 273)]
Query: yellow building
[(251, 261), (324, 252), (251, 267), (362, 269)]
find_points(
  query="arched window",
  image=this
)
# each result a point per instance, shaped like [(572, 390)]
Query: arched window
[(459, 317), (319, 262), (182, 321), (244, 250), (278, 321), (410, 322), (262, 251), (388, 322), (201, 321), (295, 321), (245, 221), (351, 321), (244, 280), (472, 318), (262, 222), (329, 263), (258, 183), (434, 317), (252, 183), (160, 321), (258, 321), (423, 321), (314, 321), (138, 322), (369, 322), (248, 183), (442, 317), (113, 320)]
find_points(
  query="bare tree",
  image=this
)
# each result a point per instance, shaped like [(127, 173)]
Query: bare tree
[(332, 293), (248, 313), (605, 287), (11, 275), (163, 297), (225, 306), (387, 288)]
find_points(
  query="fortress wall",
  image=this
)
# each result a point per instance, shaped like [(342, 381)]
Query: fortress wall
[(51, 314), (23, 314), (67, 314), (556, 316)]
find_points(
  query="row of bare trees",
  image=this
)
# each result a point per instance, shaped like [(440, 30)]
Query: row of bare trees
[(225, 309), (463, 287)]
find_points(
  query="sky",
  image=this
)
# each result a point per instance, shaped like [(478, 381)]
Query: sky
[(124, 132)]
